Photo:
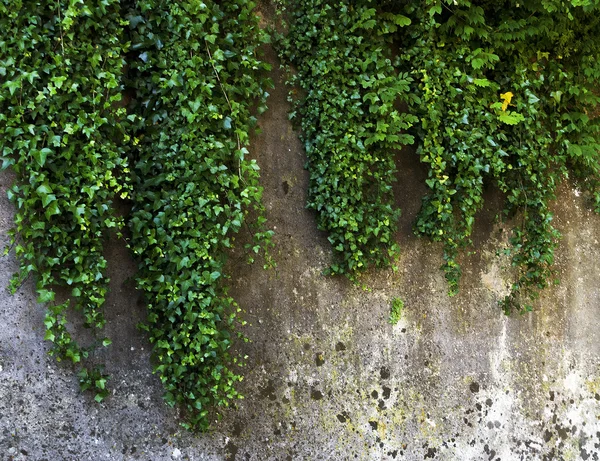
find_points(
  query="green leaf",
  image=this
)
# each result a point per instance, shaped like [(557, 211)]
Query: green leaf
[(45, 296), (47, 199), (478, 63), (482, 82), (41, 155), (12, 86), (401, 20), (437, 9), (44, 189), (51, 210), (510, 118)]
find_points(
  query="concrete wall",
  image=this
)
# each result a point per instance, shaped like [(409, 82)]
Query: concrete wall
[(328, 377)]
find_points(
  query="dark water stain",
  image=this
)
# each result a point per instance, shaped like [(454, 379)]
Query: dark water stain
[(562, 432), (269, 391), (237, 429), (316, 394), (231, 451), (339, 347), (431, 452)]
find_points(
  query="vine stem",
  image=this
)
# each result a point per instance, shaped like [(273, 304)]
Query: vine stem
[(239, 144), (62, 41)]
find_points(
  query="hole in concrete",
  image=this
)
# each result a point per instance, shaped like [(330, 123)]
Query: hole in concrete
[(386, 392), (384, 372), (319, 360)]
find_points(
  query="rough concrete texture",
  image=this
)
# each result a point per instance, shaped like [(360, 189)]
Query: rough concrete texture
[(327, 376)]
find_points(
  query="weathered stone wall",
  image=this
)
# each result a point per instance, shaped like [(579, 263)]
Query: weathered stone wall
[(327, 376)]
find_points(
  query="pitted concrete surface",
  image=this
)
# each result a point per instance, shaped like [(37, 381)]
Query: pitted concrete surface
[(327, 377)]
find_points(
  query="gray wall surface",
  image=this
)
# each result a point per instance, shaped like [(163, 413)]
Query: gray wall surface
[(327, 377)]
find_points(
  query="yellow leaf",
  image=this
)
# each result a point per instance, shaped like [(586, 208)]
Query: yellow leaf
[(506, 97)]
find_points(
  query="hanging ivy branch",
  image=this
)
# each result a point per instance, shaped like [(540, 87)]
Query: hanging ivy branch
[(197, 76), (350, 125), (506, 94), (63, 136)]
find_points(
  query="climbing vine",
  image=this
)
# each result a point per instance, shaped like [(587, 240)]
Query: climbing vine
[(506, 94), (197, 77), (63, 135), (495, 93), (351, 127)]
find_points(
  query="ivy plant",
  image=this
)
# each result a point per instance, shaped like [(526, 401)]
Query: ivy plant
[(64, 136), (197, 75), (506, 94), (346, 99)]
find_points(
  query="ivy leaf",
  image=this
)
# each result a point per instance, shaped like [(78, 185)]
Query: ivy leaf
[(12, 86), (47, 199), (41, 155), (44, 189), (45, 296), (52, 210)]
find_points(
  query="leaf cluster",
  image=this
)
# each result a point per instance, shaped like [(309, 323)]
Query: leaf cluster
[(350, 123), (194, 79), (506, 94), (197, 76), (63, 133)]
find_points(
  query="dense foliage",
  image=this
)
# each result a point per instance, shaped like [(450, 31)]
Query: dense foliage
[(194, 77), (350, 123), (63, 134), (506, 94), (197, 75), (496, 93)]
